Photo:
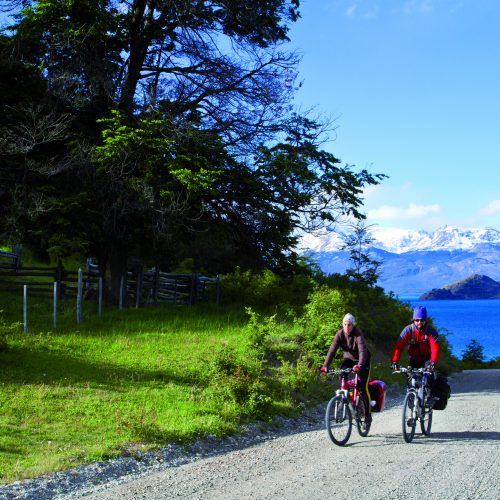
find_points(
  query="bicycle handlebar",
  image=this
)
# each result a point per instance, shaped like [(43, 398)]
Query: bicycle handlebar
[(338, 371), (411, 370)]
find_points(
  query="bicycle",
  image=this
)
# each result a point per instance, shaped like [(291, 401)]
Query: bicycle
[(418, 402), (348, 401)]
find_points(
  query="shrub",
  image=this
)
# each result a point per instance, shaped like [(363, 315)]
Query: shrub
[(266, 290), (239, 381), (322, 318)]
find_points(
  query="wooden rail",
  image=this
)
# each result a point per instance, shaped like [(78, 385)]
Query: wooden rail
[(139, 287)]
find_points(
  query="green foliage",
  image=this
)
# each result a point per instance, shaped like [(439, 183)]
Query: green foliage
[(322, 318), (492, 363), (364, 268), (473, 351), (473, 355), (6, 330), (240, 380), (150, 155), (267, 290), (260, 331)]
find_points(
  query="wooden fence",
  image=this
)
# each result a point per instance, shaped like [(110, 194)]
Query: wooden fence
[(42, 279), (138, 288), (11, 260)]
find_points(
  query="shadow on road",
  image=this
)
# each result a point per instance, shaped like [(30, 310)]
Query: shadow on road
[(465, 436), (434, 438)]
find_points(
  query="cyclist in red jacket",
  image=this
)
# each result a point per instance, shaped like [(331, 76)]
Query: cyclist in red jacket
[(422, 340), (356, 355)]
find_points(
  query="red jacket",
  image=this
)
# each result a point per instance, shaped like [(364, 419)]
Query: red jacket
[(422, 346)]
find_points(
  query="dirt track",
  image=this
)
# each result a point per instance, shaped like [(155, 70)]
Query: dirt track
[(460, 460)]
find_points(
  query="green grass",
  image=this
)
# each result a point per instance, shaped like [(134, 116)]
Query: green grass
[(134, 380), (130, 380)]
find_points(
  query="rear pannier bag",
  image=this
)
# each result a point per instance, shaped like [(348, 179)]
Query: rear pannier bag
[(441, 389), (377, 390)]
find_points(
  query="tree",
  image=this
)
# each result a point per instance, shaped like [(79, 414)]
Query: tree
[(365, 269), (179, 136), (215, 63), (289, 186), (211, 66), (473, 354)]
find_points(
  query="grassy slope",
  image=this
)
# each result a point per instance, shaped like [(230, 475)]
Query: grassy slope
[(136, 379)]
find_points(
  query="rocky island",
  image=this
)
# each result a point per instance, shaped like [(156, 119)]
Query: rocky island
[(474, 287)]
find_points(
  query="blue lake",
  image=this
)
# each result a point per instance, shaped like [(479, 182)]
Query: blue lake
[(464, 320)]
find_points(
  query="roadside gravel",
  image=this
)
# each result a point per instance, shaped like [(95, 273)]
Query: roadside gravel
[(295, 459)]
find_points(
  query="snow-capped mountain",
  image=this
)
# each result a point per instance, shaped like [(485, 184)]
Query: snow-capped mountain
[(399, 241), (414, 262)]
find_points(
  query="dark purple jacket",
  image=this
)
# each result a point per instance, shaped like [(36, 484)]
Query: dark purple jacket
[(353, 345)]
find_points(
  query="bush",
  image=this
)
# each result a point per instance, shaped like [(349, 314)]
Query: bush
[(240, 382), (322, 318), (266, 290)]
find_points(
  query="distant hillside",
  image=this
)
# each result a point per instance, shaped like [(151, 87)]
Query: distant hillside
[(476, 286), (414, 262)]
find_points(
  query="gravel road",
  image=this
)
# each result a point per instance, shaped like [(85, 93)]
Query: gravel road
[(460, 460)]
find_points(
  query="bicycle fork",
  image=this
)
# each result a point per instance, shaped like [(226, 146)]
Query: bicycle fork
[(344, 394), (416, 410)]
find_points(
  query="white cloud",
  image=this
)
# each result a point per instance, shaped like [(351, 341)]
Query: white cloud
[(493, 208), (351, 10), (413, 211), (418, 6), (371, 13), (363, 10)]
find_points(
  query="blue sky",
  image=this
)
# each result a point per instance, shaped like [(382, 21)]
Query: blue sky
[(414, 90)]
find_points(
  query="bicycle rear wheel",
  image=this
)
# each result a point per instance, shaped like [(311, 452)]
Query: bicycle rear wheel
[(409, 421), (363, 421), (338, 420)]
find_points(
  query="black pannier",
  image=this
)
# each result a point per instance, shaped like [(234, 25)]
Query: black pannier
[(442, 390)]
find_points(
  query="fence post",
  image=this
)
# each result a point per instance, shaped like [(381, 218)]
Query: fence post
[(156, 284), (217, 290), (194, 289), (138, 289), (59, 276), (25, 308), (120, 294), (99, 307), (55, 304), (79, 297), (18, 250)]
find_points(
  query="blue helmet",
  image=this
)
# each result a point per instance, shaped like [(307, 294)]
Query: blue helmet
[(420, 312)]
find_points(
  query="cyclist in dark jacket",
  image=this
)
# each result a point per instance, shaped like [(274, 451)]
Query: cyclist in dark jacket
[(356, 354), (422, 340)]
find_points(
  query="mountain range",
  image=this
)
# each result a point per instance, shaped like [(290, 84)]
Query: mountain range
[(414, 262)]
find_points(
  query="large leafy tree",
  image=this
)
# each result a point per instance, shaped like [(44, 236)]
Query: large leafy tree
[(168, 133)]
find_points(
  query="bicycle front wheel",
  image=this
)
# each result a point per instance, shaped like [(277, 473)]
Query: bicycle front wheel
[(338, 420), (409, 420), (426, 418), (363, 422)]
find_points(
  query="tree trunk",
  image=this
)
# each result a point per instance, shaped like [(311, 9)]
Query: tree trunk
[(116, 268)]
